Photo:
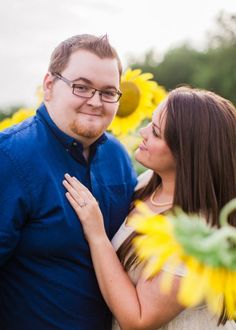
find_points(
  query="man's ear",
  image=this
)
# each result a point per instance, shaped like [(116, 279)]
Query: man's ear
[(47, 86)]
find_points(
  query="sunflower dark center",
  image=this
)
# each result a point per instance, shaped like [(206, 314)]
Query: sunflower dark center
[(129, 100)]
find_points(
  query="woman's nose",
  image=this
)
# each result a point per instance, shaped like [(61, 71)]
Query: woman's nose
[(143, 132)]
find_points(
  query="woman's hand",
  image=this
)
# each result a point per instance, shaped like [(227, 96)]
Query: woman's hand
[(140, 306), (86, 208)]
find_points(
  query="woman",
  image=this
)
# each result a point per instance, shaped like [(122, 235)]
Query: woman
[(190, 147)]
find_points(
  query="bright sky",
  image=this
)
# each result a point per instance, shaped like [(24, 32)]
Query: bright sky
[(31, 29)]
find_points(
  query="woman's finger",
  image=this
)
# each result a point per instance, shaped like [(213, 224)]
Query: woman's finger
[(75, 183), (78, 198), (78, 186), (74, 204)]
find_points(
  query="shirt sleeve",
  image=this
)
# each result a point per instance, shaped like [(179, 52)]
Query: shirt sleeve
[(13, 209)]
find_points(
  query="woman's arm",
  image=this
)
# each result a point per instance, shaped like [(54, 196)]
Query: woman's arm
[(140, 307)]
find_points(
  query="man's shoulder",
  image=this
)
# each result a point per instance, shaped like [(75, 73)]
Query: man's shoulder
[(114, 143), (18, 136), (114, 149), (17, 129), (111, 138), (117, 156)]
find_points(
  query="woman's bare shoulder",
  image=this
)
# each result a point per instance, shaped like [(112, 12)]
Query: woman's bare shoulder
[(143, 179)]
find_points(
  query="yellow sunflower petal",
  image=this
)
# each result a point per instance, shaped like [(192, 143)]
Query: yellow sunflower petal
[(22, 113), (5, 123), (158, 247), (137, 102)]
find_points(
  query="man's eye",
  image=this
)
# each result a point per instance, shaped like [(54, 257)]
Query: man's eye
[(109, 93), (81, 88)]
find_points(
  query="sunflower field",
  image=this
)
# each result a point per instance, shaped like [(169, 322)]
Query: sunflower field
[(140, 96)]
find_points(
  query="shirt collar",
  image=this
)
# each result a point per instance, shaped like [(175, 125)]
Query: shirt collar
[(64, 138)]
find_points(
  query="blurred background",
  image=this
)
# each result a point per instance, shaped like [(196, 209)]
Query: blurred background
[(162, 44), (182, 41)]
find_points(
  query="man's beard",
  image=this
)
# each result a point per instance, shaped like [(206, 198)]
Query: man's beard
[(86, 130)]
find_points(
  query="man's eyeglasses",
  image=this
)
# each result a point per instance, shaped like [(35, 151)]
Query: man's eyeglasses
[(106, 95)]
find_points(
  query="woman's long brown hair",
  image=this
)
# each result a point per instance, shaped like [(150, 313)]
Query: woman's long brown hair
[(200, 131)]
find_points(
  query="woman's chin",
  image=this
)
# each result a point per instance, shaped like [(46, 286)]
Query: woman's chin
[(138, 157)]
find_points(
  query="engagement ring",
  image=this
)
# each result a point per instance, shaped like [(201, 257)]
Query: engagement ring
[(84, 203)]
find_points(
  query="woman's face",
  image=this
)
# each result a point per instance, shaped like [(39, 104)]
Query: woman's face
[(153, 152)]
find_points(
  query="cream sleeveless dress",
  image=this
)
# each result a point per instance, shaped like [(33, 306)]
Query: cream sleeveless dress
[(197, 318)]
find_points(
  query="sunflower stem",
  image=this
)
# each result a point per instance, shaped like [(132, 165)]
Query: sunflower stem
[(216, 239), (225, 212)]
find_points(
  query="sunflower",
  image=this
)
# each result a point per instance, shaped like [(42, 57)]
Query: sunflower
[(16, 118), (22, 113), (130, 142), (178, 239), (139, 99)]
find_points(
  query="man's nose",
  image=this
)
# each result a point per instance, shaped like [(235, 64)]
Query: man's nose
[(95, 100)]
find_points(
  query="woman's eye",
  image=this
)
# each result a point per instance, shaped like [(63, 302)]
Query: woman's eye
[(154, 132)]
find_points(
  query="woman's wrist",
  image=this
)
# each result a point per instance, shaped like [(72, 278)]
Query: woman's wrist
[(97, 240)]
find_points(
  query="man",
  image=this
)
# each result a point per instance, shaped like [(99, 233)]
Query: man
[(46, 275)]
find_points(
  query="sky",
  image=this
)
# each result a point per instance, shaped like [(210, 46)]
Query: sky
[(31, 29)]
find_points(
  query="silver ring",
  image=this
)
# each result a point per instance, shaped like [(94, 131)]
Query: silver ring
[(84, 203)]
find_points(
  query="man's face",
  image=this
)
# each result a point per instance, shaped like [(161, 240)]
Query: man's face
[(83, 119)]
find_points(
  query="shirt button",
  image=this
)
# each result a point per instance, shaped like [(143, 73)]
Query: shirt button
[(75, 144)]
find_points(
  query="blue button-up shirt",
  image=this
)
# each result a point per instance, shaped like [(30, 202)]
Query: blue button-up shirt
[(46, 274)]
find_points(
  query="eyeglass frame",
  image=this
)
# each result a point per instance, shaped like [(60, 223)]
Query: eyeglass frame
[(94, 90)]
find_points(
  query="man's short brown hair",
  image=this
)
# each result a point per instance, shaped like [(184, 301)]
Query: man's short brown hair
[(99, 46)]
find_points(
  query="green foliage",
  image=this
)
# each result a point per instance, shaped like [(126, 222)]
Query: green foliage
[(213, 68), (218, 72), (8, 111), (225, 31)]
